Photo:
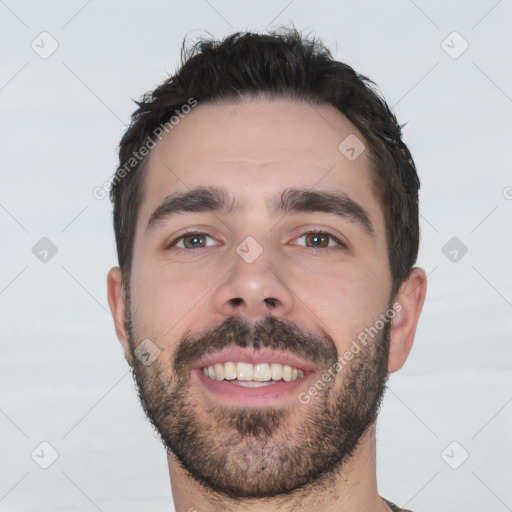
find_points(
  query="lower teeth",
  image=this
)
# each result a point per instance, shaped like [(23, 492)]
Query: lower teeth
[(251, 383)]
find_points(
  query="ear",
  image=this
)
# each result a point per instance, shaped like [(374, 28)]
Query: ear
[(117, 303), (410, 299)]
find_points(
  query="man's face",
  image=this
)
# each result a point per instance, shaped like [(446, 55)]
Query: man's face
[(282, 280)]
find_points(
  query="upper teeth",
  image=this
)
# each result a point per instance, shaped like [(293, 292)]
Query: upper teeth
[(261, 372)]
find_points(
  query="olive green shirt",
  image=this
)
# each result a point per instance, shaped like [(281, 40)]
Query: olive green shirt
[(394, 508)]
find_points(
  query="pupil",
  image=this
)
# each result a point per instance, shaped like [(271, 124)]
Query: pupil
[(195, 241), (320, 239)]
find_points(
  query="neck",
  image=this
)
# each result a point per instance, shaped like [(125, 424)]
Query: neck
[(351, 489)]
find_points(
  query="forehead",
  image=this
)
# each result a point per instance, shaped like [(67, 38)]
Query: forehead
[(255, 147)]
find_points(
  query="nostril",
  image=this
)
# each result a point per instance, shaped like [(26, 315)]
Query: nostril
[(235, 302)]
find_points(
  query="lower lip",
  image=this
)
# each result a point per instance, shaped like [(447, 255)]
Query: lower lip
[(264, 396)]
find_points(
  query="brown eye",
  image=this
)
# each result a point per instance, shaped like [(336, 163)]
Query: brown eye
[(320, 240), (192, 241)]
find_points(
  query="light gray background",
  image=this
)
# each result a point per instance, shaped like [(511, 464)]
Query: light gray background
[(63, 378)]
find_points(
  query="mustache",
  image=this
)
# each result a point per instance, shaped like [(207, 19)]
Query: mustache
[(270, 332)]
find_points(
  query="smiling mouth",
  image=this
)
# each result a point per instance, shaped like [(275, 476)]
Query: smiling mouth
[(252, 375)]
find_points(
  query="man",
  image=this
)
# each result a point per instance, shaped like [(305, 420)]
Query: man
[(266, 219)]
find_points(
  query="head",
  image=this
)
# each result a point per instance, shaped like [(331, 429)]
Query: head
[(272, 218)]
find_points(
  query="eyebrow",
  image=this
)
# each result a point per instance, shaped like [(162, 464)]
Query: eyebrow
[(291, 200), (196, 200)]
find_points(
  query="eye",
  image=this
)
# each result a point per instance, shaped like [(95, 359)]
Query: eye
[(191, 241), (320, 240)]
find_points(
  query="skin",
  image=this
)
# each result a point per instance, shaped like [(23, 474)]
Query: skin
[(254, 149)]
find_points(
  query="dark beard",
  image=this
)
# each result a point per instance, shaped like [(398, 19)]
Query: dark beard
[(261, 453)]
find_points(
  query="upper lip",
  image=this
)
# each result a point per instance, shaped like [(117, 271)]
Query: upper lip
[(262, 355)]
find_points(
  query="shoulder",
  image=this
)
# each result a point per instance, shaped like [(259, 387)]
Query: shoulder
[(394, 508)]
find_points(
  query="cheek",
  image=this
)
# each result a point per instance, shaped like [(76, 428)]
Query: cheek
[(158, 295), (345, 300), (165, 297)]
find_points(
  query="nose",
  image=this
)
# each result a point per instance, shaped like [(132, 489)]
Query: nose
[(253, 289)]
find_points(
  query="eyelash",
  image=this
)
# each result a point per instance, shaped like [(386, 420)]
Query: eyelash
[(340, 245)]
